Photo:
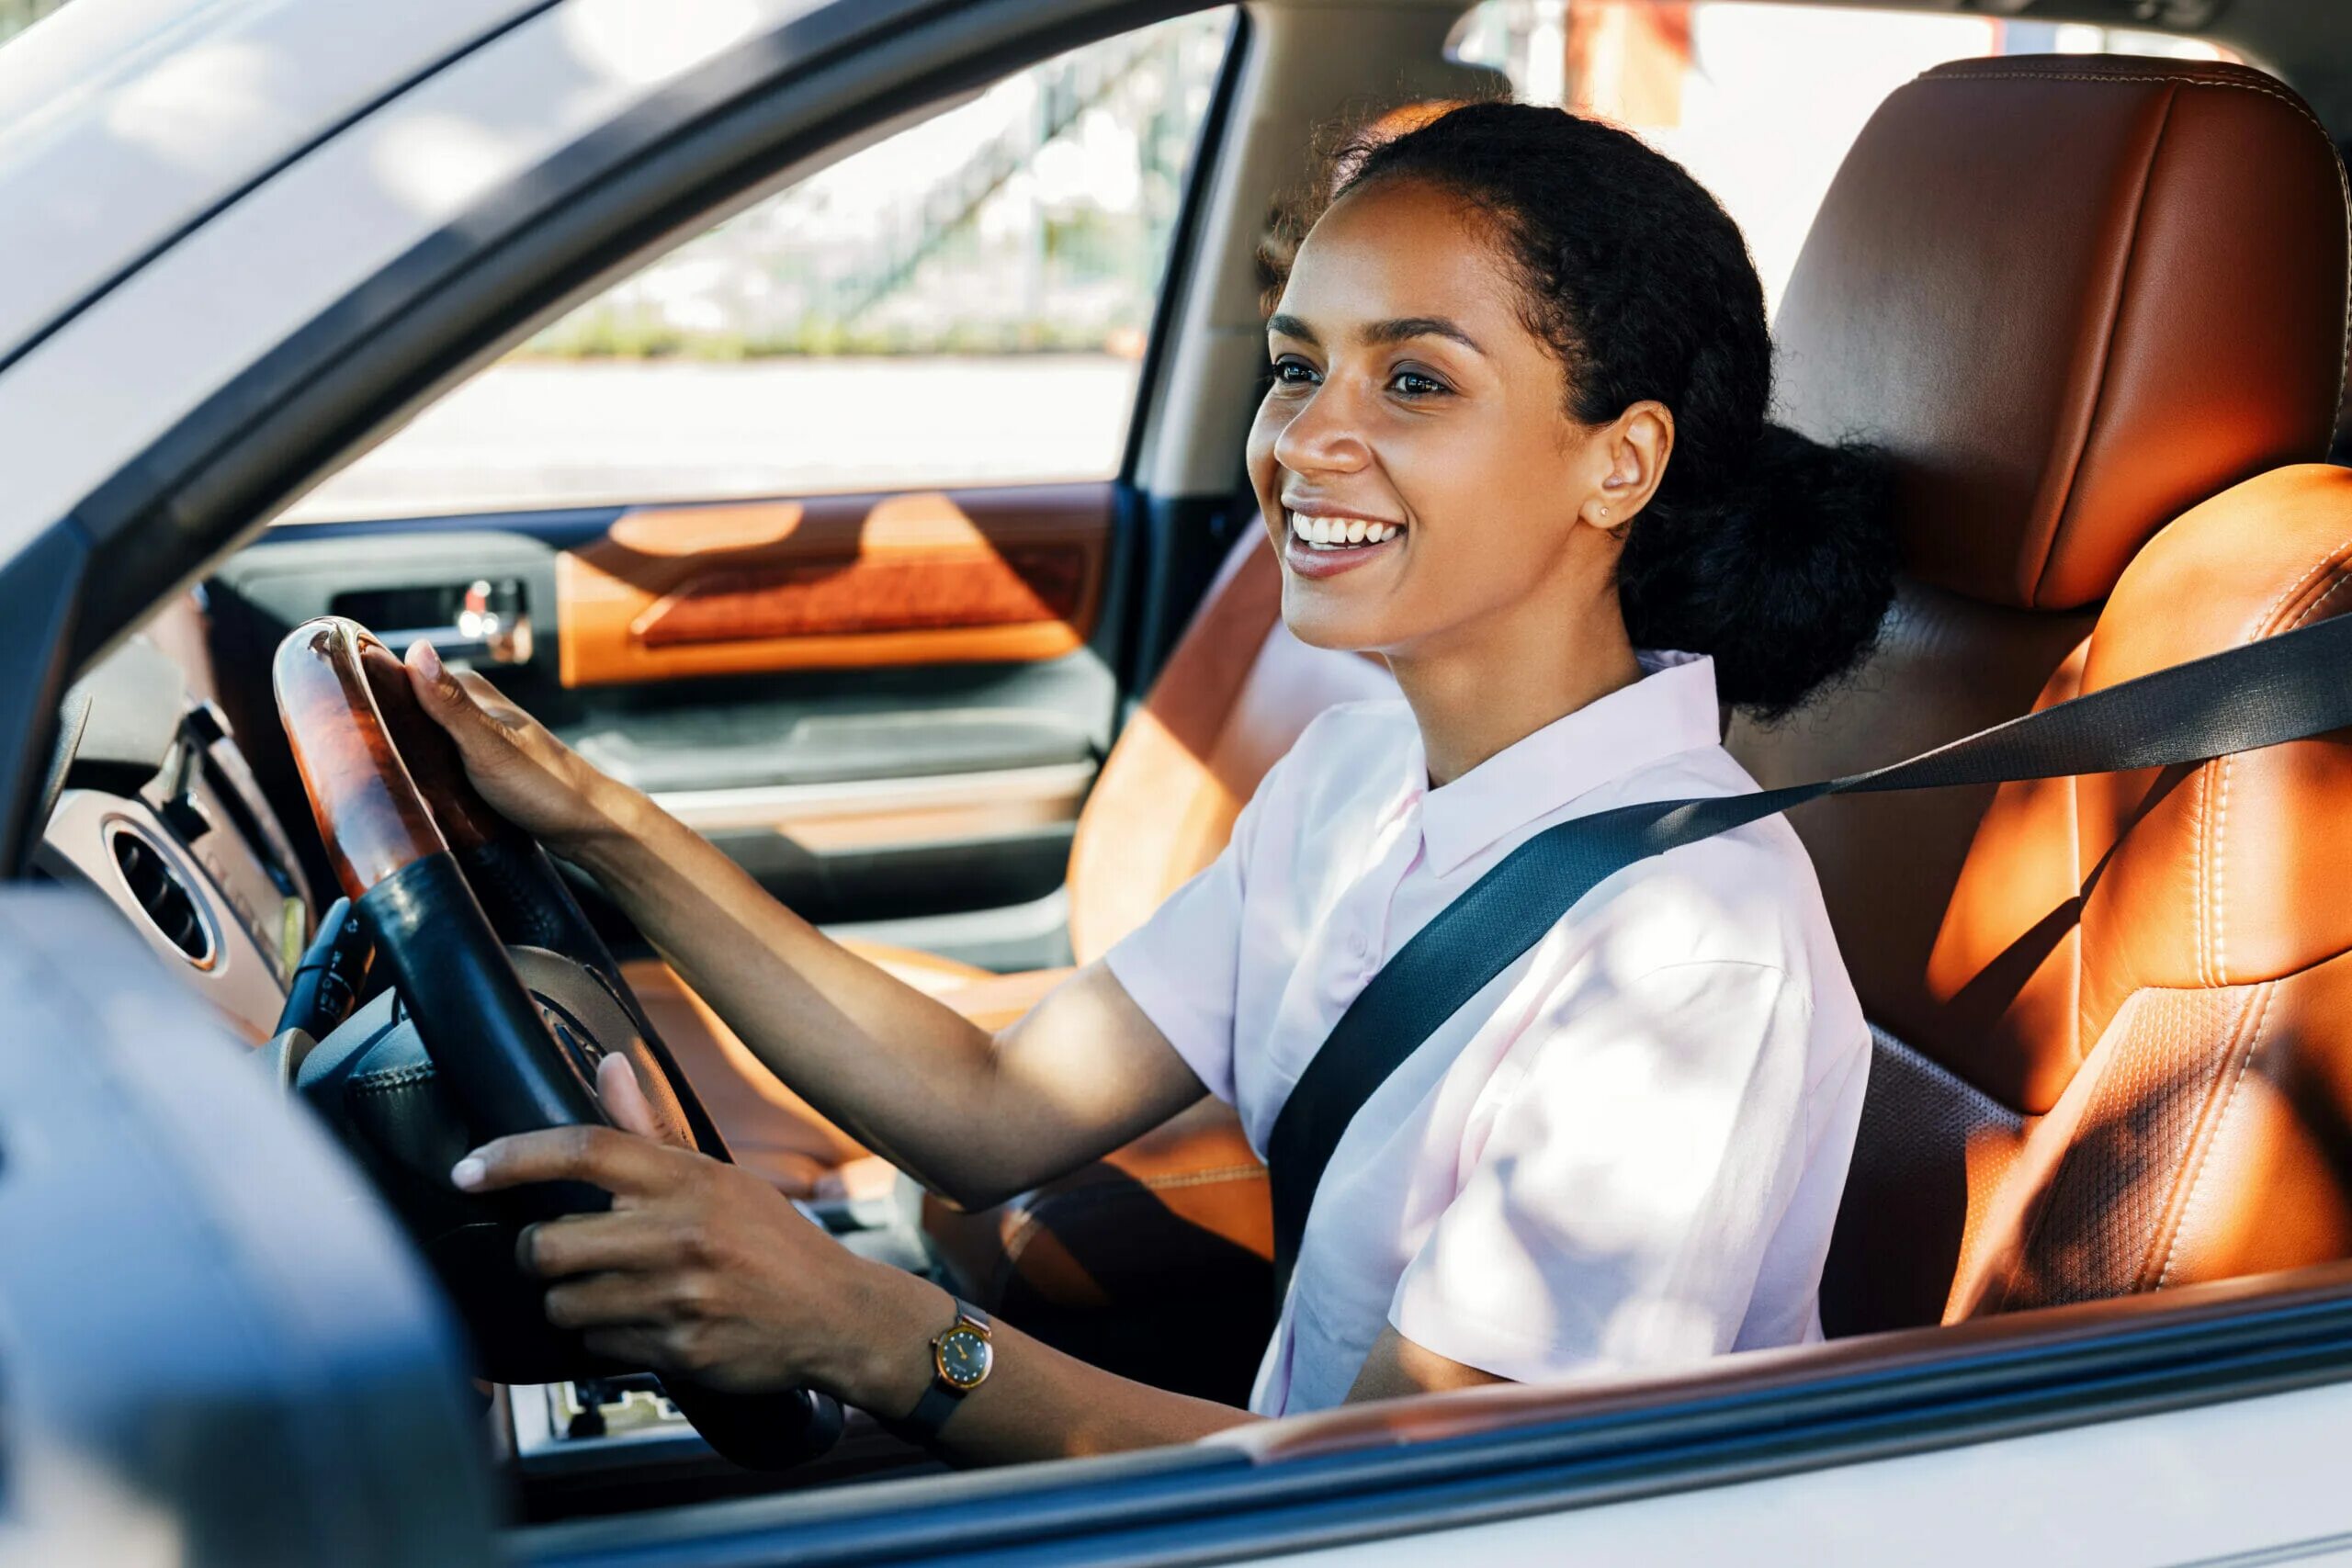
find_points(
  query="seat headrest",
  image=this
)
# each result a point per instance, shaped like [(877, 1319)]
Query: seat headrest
[(2073, 296)]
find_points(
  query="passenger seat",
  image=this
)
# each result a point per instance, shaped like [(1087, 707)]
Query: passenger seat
[(2096, 309)]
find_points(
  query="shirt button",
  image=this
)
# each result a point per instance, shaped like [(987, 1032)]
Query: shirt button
[(1357, 946)]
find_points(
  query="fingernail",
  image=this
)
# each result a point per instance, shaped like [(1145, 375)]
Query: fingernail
[(468, 1172), (428, 661)]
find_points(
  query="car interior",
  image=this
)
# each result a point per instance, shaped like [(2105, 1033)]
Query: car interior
[(2096, 306)]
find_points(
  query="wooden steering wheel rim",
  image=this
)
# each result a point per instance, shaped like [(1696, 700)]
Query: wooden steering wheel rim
[(384, 782)]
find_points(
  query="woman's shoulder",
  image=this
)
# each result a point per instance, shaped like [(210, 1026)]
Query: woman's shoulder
[(1749, 895)]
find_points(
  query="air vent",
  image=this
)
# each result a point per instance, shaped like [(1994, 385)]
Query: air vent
[(162, 896)]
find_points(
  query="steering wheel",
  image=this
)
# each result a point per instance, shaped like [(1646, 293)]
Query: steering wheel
[(505, 999)]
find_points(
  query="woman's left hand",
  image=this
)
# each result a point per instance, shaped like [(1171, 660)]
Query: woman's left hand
[(699, 1267)]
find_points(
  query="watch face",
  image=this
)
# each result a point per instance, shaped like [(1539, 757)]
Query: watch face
[(964, 1357)]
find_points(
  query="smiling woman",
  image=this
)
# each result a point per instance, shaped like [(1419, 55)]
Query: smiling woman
[(1619, 1158), (1627, 1152), (1515, 446)]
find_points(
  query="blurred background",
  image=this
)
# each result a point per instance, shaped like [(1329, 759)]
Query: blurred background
[(968, 300)]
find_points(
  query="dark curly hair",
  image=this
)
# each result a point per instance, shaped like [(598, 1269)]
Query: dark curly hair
[(1764, 548)]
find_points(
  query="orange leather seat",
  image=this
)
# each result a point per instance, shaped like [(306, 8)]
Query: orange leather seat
[(2093, 308)]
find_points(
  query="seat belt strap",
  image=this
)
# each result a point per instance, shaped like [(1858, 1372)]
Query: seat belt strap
[(2283, 688)]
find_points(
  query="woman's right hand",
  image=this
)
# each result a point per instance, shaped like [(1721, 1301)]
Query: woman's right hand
[(528, 776)]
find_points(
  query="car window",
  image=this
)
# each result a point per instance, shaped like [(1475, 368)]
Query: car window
[(964, 302), (1759, 101)]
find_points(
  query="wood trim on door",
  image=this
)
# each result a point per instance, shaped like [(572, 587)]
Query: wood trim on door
[(832, 583)]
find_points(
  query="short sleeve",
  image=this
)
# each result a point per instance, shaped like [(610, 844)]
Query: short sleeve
[(1619, 1208), (1182, 966)]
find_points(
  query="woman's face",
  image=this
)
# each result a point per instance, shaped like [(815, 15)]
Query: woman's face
[(1410, 398)]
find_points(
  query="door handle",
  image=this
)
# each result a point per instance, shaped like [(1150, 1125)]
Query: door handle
[(490, 627)]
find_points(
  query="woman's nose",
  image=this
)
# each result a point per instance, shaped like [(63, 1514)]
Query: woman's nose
[(1323, 437)]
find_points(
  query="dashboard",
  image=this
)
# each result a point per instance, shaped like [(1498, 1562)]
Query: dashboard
[(150, 801)]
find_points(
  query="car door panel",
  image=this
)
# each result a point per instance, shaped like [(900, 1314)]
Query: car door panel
[(835, 582)]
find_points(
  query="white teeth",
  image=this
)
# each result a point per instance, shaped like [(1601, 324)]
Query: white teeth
[(1332, 533)]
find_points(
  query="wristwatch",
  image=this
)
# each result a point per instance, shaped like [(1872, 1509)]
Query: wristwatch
[(961, 1357)]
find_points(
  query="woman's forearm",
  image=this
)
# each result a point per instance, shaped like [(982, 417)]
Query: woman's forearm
[(897, 1069), (974, 1116), (1036, 1404)]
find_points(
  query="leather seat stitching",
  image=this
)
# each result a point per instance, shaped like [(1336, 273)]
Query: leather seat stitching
[(2213, 1135), (2204, 878), (2218, 1083), (2216, 878), (2263, 624), (1205, 1177), (2343, 180)]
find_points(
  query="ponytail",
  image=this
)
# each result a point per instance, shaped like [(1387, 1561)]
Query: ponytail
[(1783, 575)]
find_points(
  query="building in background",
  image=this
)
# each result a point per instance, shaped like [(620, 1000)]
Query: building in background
[(1033, 217)]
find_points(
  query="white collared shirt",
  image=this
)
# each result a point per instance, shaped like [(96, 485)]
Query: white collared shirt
[(1624, 1153)]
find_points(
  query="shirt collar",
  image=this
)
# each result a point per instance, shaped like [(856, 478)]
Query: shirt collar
[(1670, 709)]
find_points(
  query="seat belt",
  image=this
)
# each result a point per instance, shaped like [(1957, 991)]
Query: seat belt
[(2283, 688)]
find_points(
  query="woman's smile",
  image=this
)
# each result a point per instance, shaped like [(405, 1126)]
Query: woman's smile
[(1318, 542)]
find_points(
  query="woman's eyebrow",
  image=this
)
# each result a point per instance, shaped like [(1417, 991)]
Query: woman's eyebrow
[(1405, 327), (1398, 330)]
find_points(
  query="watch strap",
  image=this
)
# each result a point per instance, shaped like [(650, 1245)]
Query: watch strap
[(931, 1410)]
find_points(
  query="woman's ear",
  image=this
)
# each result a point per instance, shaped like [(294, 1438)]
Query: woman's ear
[(1634, 447)]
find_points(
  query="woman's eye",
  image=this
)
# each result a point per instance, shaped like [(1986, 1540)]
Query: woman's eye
[(1294, 373), (1414, 384)]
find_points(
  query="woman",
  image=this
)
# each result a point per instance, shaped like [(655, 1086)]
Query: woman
[(1516, 432)]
